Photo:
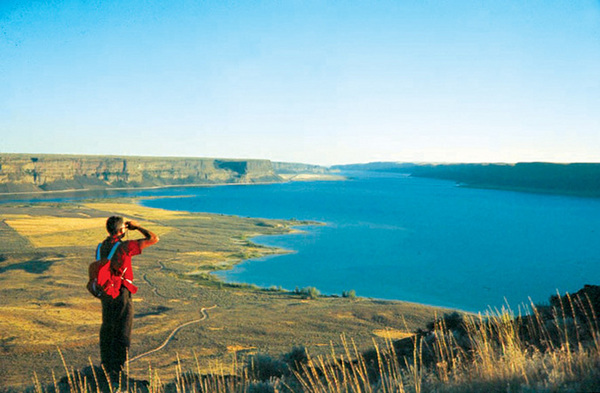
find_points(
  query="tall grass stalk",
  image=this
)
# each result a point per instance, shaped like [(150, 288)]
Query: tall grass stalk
[(591, 319), (390, 372), (499, 352), (539, 329)]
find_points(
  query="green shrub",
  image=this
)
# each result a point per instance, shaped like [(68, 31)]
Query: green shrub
[(296, 358), (262, 367), (308, 292), (351, 294)]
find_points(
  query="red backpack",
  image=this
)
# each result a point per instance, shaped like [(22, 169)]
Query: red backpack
[(100, 274)]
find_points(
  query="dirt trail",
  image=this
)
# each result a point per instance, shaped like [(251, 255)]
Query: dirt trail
[(164, 344)]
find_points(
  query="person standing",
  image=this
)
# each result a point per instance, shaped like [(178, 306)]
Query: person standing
[(117, 308)]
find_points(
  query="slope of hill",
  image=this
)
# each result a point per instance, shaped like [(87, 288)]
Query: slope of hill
[(566, 179)]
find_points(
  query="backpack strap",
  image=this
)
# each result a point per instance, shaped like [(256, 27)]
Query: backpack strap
[(112, 251)]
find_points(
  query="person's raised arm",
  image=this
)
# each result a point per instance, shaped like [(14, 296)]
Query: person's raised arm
[(150, 238)]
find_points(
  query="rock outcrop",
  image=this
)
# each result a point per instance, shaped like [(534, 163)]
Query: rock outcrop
[(44, 172)]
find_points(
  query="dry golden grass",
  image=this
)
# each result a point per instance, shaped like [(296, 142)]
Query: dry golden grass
[(138, 211), (392, 334), (52, 231), (49, 231), (499, 360), (205, 254), (208, 258), (344, 315), (43, 225), (239, 348), (44, 324)]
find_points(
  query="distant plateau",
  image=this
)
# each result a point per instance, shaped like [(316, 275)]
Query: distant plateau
[(33, 173)]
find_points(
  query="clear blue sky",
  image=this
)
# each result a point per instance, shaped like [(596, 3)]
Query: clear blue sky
[(323, 82)]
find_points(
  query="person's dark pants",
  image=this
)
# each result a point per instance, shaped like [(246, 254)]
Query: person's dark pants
[(115, 333)]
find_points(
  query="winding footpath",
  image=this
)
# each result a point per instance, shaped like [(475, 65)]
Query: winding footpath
[(164, 344), (154, 288)]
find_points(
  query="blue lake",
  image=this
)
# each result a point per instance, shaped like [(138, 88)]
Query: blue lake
[(390, 236)]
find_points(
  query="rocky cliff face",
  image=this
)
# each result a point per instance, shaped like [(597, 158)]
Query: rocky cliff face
[(24, 173)]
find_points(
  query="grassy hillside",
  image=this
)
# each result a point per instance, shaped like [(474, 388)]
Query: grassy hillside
[(550, 348), (553, 348), (45, 249)]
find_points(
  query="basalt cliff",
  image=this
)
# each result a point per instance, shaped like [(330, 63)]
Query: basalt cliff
[(45, 172)]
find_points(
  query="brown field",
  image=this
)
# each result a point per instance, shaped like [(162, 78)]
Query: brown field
[(45, 249)]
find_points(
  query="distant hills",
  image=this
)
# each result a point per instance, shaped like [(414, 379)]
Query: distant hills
[(24, 173), (580, 179)]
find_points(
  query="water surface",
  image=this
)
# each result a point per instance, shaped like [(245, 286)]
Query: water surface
[(390, 236)]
